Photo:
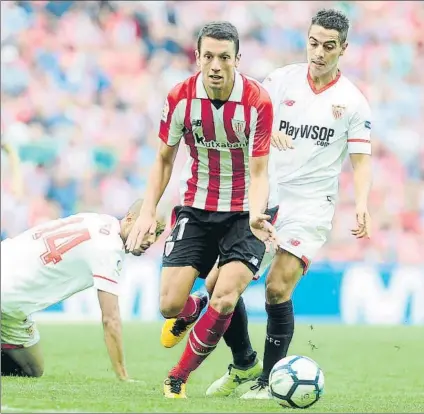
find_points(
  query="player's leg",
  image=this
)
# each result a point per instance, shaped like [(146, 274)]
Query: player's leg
[(245, 366), (20, 351), (174, 329), (9, 367), (285, 271), (211, 279), (236, 336), (183, 261), (25, 362), (232, 280), (175, 287), (300, 240)]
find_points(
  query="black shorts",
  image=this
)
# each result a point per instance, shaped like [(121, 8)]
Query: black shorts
[(199, 237)]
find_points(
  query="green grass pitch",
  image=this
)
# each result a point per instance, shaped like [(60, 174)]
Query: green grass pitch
[(367, 369)]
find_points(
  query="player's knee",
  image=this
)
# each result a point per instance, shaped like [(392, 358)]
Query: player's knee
[(224, 303), (282, 278), (169, 307), (278, 291), (280, 284)]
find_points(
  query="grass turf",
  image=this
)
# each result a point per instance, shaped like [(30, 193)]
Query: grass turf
[(367, 369)]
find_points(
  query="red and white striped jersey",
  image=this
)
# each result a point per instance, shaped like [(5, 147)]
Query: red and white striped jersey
[(219, 141)]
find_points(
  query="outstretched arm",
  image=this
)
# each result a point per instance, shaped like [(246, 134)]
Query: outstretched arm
[(362, 178), (112, 327)]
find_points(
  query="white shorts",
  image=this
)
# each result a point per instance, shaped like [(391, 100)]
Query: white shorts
[(18, 333), (303, 226)]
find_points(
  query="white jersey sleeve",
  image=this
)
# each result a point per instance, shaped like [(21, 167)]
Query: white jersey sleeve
[(106, 265), (359, 132)]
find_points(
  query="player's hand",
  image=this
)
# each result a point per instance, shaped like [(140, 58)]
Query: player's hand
[(363, 223), (150, 238), (281, 141), (142, 235), (264, 230)]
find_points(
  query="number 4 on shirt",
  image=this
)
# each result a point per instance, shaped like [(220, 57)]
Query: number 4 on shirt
[(58, 241)]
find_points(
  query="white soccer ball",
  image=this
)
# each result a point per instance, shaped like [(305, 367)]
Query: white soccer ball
[(296, 382)]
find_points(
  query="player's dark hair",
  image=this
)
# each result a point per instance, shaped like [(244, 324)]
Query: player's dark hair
[(219, 31), (332, 19)]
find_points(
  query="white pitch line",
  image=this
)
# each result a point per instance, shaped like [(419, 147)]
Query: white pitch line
[(8, 409)]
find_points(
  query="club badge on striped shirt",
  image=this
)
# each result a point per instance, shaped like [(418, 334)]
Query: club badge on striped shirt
[(338, 111), (238, 128)]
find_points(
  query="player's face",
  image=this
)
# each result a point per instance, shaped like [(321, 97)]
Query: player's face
[(217, 60), (323, 50)]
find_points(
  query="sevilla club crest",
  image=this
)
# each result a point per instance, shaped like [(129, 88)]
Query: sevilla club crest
[(338, 111)]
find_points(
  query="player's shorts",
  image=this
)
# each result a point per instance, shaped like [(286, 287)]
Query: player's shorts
[(303, 226), (200, 238), (18, 333)]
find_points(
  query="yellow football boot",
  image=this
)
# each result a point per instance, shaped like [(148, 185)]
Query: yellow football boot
[(174, 329), (174, 388)]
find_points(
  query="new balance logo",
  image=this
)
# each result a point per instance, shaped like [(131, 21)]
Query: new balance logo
[(254, 260), (315, 132), (294, 242)]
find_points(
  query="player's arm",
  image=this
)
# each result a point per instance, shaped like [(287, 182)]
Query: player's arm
[(259, 144), (359, 147), (170, 132), (106, 265), (112, 327), (362, 178), (159, 177), (259, 185)]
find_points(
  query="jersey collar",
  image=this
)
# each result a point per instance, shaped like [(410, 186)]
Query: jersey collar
[(236, 93), (329, 85)]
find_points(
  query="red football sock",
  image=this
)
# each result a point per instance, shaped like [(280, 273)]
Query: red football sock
[(190, 307), (202, 340)]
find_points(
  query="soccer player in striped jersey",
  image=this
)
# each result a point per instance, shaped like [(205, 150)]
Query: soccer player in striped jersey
[(225, 120), (319, 117)]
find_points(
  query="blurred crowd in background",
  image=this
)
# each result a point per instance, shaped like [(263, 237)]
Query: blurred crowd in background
[(83, 84)]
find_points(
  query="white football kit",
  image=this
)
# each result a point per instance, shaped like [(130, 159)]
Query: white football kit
[(52, 261), (325, 125)]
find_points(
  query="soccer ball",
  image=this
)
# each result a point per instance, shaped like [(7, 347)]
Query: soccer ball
[(296, 382)]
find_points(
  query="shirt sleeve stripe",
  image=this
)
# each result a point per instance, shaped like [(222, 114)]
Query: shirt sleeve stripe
[(358, 140), (106, 278)]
